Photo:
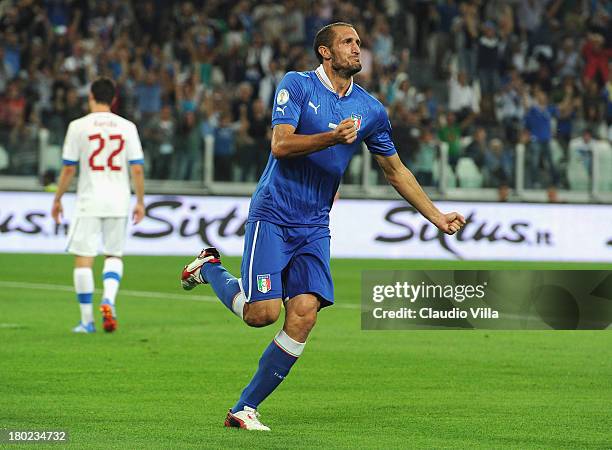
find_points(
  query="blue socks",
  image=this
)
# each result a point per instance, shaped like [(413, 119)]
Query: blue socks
[(225, 285), (279, 356), (274, 366)]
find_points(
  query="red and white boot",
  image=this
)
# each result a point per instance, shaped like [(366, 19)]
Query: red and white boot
[(191, 275), (247, 419)]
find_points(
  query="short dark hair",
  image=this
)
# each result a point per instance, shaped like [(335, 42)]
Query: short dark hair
[(325, 36), (103, 90)]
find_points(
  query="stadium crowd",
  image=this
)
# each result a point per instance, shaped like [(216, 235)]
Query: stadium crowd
[(480, 76)]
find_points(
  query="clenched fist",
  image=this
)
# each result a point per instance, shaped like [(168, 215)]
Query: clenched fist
[(345, 132)]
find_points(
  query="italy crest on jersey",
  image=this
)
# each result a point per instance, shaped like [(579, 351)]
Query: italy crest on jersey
[(357, 119), (264, 284)]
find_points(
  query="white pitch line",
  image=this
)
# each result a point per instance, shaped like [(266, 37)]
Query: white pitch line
[(170, 296), (131, 293)]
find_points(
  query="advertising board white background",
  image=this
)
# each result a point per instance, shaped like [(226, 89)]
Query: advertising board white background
[(182, 225)]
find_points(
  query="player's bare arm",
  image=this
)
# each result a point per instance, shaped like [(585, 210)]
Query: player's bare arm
[(137, 172), (66, 176), (287, 144), (400, 177)]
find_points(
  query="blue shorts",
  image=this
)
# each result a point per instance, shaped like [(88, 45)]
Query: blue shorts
[(282, 262)]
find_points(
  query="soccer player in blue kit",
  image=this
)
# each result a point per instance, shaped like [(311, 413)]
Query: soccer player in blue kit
[(320, 118)]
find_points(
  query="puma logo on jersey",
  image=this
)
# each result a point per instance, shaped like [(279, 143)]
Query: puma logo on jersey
[(281, 110), (316, 108)]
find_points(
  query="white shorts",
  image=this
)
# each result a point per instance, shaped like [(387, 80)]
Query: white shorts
[(84, 235)]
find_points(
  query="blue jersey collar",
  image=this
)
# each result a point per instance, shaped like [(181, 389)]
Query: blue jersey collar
[(324, 79)]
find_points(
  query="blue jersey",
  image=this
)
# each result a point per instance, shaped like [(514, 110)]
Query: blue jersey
[(299, 191)]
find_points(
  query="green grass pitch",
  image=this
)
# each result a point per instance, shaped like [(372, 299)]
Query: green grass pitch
[(179, 360)]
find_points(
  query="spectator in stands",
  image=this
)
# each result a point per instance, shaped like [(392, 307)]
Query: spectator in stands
[(568, 59), (188, 94), (597, 58), (367, 63), (148, 93), (12, 106), (243, 101), (74, 107), (569, 105), (530, 15), (189, 148), (6, 72), (406, 133), (259, 56), (509, 106), (225, 146), (162, 137), (515, 56), (382, 42), (259, 129), (465, 32), (432, 104), (403, 92), (450, 133), (477, 149), (294, 22), (23, 145), (541, 75), (488, 65), (269, 82), (592, 102), (607, 96), (498, 168), (12, 53), (582, 149), (538, 121), (462, 99), (268, 16), (425, 158), (245, 160), (444, 13)]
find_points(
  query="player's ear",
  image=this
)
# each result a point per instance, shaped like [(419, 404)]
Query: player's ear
[(324, 52)]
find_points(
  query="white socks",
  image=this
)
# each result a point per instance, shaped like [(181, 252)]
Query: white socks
[(84, 287), (288, 344), (111, 276), (238, 304)]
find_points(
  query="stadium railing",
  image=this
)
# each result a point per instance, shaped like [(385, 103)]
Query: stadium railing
[(365, 181)]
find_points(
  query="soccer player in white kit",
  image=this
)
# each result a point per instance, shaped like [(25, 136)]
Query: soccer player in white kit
[(104, 146)]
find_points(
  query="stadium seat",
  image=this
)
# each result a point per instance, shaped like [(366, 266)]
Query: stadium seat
[(355, 169), (577, 175), (468, 174), (51, 158), (603, 151), (451, 179), (4, 158)]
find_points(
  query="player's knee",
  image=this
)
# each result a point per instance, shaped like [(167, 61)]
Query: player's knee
[(260, 314), (303, 316)]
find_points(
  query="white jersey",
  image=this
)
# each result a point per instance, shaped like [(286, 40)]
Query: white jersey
[(104, 145)]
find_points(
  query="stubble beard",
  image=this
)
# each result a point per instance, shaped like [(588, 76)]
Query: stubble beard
[(345, 71)]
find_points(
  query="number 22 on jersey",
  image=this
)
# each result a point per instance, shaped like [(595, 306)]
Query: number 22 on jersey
[(96, 161)]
